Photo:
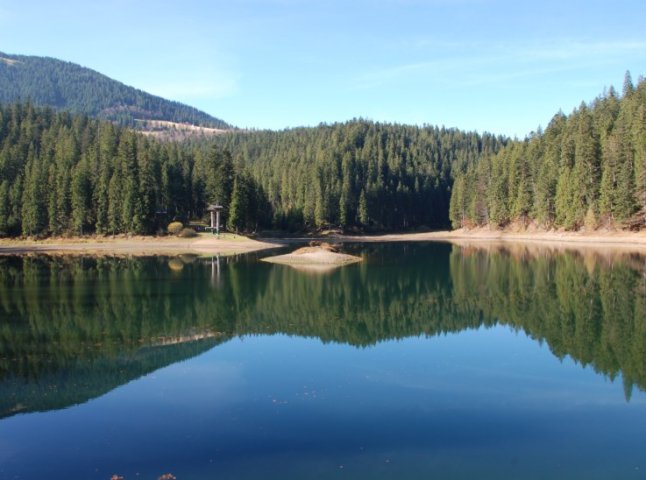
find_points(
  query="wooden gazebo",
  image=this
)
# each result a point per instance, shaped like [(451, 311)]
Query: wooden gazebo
[(215, 210)]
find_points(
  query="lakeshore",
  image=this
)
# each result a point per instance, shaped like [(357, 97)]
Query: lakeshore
[(227, 244), (614, 240), (230, 244)]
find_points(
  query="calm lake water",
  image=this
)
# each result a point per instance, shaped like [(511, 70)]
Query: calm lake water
[(423, 361)]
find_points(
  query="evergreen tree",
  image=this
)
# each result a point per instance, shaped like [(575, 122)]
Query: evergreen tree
[(638, 143), (364, 216), (498, 194), (586, 169), (220, 176), (343, 209), (548, 169), (115, 209), (15, 198), (81, 198), (4, 208), (628, 85), (131, 215), (457, 208), (32, 212), (146, 204), (236, 220)]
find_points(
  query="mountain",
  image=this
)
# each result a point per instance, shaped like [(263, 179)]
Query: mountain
[(66, 86)]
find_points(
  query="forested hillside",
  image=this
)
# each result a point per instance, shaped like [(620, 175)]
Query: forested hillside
[(587, 169), (66, 86), (69, 174), (66, 173), (358, 174)]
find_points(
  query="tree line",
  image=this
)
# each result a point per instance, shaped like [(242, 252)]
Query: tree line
[(62, 173), (586, 170), (69, 174), (358, 174)]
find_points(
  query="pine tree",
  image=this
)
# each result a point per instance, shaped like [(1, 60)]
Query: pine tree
[(586, 172), (4, 208), (364, 216), (101, 198), (131, 219), (32, 212), (563, 203), (81, 198), (343, 210), (238, 206), (638, 141), (457, 208), (320, 207), (115, 208), (15, 197), (498, 191), (106, 152), (146, 205), (220, 177), (628, 85), (523, 195), (480, 185)]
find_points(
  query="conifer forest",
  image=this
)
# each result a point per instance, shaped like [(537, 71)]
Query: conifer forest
[(69, 174), (586, 170)]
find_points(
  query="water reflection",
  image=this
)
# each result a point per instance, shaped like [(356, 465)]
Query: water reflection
[(72, 329)]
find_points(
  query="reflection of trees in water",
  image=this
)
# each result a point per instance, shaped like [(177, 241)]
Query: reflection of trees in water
[(77, 327), (57, 310), (375, 300), (78, 381), (590, 307)]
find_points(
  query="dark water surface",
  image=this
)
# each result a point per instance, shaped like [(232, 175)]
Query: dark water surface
[(423, 361)]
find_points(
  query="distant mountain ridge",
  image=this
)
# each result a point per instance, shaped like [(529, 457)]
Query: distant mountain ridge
[(67, 86)]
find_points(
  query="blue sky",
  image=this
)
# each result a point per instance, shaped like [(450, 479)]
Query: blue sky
[(487, 65)]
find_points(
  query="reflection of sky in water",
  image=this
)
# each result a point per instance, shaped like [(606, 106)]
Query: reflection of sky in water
[(490, 400), (481, 403)]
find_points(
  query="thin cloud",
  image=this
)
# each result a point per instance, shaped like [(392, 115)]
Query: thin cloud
[(503, 63), (220, 87), (567, 50), (434, 68)]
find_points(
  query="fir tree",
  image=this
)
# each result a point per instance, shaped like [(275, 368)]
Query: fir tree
[(364, 216), (81, 198), (628, 85), (4, 208), (235, 219)]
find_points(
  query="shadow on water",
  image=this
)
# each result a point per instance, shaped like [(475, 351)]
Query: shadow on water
[(73, 328)]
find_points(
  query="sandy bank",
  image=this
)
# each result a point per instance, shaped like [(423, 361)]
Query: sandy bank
[(628, 241), (314, 258), (230, 244), (227, 244)]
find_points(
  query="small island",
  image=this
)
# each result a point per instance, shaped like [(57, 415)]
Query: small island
[(323, 257)]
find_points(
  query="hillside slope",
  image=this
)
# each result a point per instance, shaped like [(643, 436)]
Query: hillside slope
[(586, 171), (67, 86)]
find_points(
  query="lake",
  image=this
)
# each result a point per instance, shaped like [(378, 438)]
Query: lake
[(423, 361)]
